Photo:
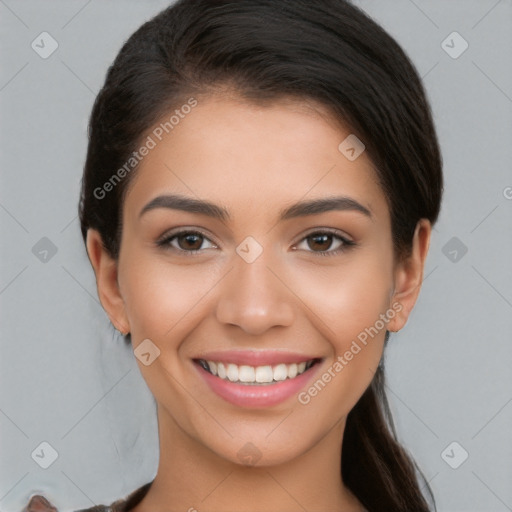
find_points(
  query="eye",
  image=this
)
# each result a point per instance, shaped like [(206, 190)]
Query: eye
[(323, 240), (188, 242)]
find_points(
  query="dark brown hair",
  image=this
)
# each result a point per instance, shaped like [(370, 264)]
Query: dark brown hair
[(328, 51)]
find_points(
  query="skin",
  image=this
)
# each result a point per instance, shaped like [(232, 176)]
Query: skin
[(254, 161)]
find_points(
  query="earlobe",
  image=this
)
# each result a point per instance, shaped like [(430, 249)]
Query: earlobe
[(105, 270), (409, 275)]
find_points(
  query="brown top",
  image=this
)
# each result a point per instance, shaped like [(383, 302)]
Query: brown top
[(39, 503)]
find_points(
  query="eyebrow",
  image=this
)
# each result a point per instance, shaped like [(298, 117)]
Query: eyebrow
[(312, 207)]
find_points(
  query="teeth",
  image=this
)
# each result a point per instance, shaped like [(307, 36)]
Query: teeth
[(292, 371), (221, 370), (246, 374), (256, 375), (280, 372), (264, 374), (232, 372)]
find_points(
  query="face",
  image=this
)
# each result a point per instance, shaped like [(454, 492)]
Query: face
[(269, 316)]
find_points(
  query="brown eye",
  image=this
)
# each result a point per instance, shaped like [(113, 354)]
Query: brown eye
[(185, 241), (320, 242), (189, 241)]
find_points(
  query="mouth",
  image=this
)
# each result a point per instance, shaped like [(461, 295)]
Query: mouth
[(256, 380), (266, 375)]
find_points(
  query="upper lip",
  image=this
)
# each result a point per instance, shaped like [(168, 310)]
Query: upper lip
[(255, 357)]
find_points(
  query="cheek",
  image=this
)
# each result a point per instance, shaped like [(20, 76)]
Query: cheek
[(345, 299), (162, 298), (164, 303), (347, 302)]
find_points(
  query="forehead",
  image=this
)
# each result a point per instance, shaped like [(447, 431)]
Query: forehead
[(252, 158)]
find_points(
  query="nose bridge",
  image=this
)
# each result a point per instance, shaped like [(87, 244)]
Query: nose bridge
[(253, 297)]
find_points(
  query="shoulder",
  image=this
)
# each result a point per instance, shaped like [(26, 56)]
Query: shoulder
[(96, 508), (39, 503)]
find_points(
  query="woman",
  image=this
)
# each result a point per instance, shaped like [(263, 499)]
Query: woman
[(261, 182)]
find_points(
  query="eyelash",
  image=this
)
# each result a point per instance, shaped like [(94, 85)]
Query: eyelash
[(165, 241)]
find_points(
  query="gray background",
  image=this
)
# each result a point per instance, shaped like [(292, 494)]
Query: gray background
[(68, 380)]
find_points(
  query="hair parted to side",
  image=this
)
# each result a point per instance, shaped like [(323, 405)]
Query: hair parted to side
[(329, 51)]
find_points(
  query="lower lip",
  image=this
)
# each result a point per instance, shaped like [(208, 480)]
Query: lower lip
[(256, 396)]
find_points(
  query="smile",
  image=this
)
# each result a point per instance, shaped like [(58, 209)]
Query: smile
[(255, 375), (253, 379)]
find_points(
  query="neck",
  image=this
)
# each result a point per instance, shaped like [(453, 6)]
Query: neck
[(193, 478)]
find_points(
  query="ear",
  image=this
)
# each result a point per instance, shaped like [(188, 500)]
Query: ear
[(105, 269), (409, 275)]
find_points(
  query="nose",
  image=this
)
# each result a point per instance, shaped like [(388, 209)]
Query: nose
[(255, 296)]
